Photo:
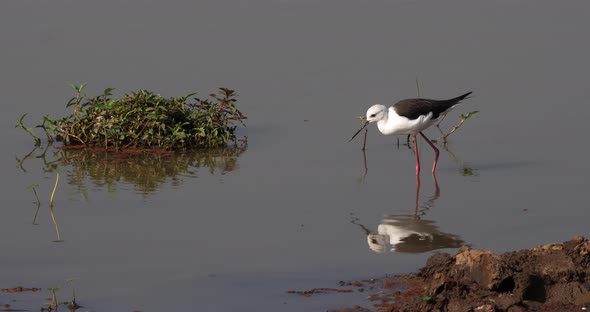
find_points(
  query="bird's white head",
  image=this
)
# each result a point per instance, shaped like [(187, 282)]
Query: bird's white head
[(376, 112)]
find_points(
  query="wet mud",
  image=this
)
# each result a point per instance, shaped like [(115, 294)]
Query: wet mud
[(552, 277)]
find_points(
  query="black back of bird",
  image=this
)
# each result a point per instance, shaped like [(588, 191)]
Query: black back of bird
[(414, 108)]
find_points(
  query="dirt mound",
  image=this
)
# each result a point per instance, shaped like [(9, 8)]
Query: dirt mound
[(554, 277)]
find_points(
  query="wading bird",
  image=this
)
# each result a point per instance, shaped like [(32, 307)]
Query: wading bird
[(411, 116)]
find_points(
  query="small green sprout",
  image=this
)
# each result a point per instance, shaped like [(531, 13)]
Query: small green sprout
[(51, 209)]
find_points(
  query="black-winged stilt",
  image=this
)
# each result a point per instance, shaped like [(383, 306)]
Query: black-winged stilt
[(411, 116)]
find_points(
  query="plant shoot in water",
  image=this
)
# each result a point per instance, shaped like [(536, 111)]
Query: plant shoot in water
[(53, 306), (51, 209), (19, 124), (463, 117)]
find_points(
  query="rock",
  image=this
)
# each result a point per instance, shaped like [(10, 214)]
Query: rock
[(516, 309), (485, 308), (583, 248), (483, 267), (549, 247), (579, 238), (437, 263), (505, 301)]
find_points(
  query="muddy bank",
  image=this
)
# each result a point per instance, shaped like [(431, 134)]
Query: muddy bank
[(553, 277)]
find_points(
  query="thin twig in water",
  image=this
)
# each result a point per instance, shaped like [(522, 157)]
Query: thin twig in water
[(66, 133), (457, 126)]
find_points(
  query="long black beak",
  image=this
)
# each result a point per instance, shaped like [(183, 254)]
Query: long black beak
[(361, 129)]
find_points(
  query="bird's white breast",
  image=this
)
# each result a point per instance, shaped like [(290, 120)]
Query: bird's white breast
[(396, 124)]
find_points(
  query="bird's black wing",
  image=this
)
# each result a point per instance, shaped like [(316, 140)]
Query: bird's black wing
[(414, 108)]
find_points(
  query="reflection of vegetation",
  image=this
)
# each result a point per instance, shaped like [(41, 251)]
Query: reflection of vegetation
[(464, 169), (146, 169), (37, 201), (469, 172), (51, 209)]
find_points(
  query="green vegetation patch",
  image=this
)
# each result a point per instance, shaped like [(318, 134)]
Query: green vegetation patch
[(145, 119)]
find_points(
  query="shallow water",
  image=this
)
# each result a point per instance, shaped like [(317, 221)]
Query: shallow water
[(294, 208)]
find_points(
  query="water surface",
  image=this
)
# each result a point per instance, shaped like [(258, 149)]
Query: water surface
[(173, 234)]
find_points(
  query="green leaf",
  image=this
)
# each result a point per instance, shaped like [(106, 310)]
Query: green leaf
[(82, 86), (469, 114), (71, 102), (78, 88), (108, 91), (19, 123)]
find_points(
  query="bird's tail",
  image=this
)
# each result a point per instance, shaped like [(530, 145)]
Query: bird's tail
[(460, 97), (447, 105)]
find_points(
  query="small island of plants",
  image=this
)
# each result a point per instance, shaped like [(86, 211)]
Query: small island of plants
[(144, 119)]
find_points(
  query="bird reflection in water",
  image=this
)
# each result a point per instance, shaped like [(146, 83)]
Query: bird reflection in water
[(410, 233)]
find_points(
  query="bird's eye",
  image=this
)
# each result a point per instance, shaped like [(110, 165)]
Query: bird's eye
[(372, 116)]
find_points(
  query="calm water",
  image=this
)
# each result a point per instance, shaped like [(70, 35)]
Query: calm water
[(297, 208)]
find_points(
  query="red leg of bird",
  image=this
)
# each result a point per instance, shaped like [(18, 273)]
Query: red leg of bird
[(417, 156), (417, 196), (435, 151)]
